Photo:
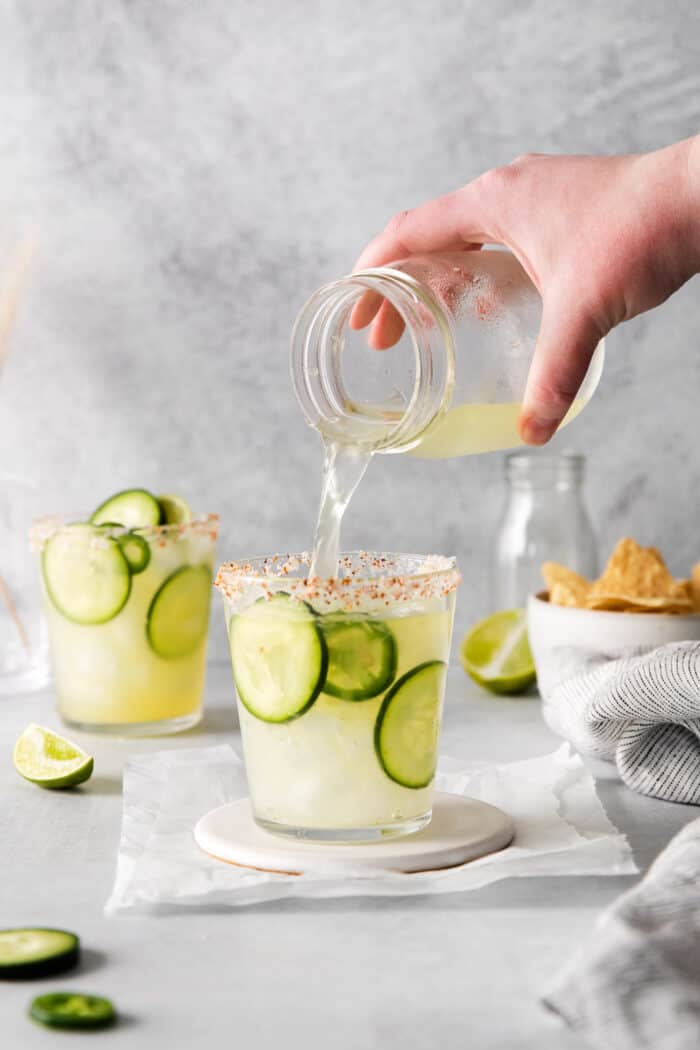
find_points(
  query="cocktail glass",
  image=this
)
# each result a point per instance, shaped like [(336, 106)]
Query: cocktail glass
[(340, 685), (128, 614)]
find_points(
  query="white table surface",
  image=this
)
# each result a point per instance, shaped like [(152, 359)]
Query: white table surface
[(455, 971)]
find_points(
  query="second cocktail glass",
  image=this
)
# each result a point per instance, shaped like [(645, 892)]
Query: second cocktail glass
[(127, 613), (340, 685)]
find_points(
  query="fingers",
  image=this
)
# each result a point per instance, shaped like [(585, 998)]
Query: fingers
[(365, 309), (448, 223), (565, 346), (453, 222), (387, 327)]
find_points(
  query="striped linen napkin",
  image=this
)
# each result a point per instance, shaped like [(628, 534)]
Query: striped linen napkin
[(636, 984), (638, 709)]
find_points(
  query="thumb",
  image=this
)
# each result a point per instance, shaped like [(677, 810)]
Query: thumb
[(566, 343)]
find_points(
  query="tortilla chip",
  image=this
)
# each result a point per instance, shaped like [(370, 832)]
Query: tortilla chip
[(561, 594), (622, 603), (694, 583), (635, 579), (565, 586), (635, 573)]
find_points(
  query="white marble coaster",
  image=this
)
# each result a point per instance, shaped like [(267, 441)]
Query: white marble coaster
[(462, 829)]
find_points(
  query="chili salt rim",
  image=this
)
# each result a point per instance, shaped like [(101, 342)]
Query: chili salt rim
[(202, 524), (436, 577)]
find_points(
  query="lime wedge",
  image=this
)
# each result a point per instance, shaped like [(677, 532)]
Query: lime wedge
[(174, 510), (50, 761), (496, 653)]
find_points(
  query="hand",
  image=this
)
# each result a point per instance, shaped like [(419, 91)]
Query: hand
[(602, 238)]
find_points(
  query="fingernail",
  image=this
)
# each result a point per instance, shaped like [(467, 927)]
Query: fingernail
[(537, 431)]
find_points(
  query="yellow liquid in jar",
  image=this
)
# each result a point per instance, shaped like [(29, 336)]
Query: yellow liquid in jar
[(467, 430)]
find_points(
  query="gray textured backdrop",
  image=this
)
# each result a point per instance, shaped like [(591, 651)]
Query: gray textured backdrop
[(194, 170)]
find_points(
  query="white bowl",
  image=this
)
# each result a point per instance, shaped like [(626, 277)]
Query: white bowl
[(553, 626)]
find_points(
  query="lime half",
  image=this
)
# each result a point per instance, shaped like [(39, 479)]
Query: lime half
[(174, 510), (49, 760), (496, 653)]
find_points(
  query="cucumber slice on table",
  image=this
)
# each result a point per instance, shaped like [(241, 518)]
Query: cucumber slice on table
[(136, 551), (86, 574), (279, 658), (361, 657), (178, 615), (408, 724), (28, 952), (72, 1010), (133, 508)]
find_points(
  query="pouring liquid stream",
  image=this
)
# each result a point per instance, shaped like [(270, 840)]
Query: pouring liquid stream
[(466, 429), (343, 469)]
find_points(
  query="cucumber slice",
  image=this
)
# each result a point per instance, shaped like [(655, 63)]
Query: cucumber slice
[(133, 508), (136, 551), (30, 952), (174, 510), (72, 1010), (279, 658), (408, 725), (86, 575), (361, 657), (178, 615)]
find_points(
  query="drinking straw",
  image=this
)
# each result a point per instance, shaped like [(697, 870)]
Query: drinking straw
[(10, 291), (9, 297)]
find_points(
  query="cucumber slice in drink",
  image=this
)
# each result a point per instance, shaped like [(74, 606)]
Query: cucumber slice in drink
[(174, 510), (361, 657), (178, 615), (133, 508), (279, 658), (408, 724), (29, 952), (72, 1010), (136, 551), (86, 574)]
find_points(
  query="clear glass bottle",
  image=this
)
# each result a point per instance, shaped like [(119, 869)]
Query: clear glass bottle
[(544, 519), (453, 382)]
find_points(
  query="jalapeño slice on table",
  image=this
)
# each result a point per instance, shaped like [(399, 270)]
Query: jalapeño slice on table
[(178, 615), (72, 1010), (407, 727), (133, 508), (29, 952), (361, 657), (279, 658), (86, 574)]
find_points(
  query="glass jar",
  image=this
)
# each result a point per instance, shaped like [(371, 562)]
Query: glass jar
[(545, 519), (453, 382)]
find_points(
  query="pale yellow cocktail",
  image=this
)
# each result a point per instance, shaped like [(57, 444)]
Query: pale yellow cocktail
[(128, 611)]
